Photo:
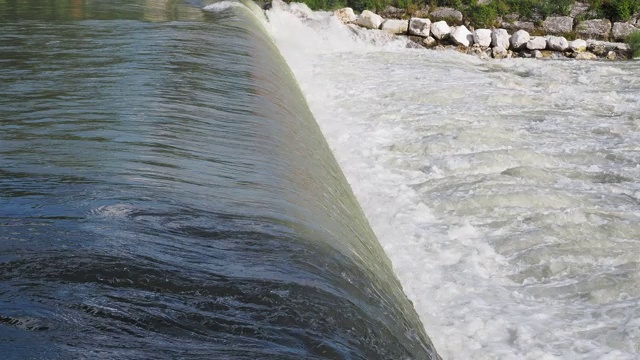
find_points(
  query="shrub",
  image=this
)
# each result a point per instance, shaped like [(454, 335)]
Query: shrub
[(634, 43), (483, 16)]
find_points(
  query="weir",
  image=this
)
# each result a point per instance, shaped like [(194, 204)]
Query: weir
[(167, 193)]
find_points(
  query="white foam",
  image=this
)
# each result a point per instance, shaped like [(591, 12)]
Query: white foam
[(497, 188), (221, 6)]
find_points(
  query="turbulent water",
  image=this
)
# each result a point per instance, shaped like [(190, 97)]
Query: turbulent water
[(506, 193), (165, 193)]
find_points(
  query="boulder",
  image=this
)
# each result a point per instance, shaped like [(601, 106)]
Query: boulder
[(391, 12), (445, 13), (482, 37), (394, 26), (578, 45), (500, 37), (537, 54), (519, 25), (519, 39), (462, 36), (585, 56), (369, 20), (419, 27), (429, 42), (594, 29), (345, 15), (579, 8), (440, 30), (611, 55), (557, 43), (499, 52), (558, 25), (620, 31), (537, 43)]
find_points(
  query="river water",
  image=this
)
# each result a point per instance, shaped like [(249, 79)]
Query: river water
[(506, 193), (165, 193)]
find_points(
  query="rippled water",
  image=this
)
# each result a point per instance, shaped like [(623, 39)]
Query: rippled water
[(507, 193), (166, 193)]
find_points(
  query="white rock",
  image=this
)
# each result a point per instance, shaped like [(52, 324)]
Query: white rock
[(620, 30), (557, 43), (345, 15), (440, 30), (369, 20), (586, 56), (578, 45), (537, 43), (537, 54), (519, 39), (420, 27), (500, 38), (482, 37), (395, 26), (429, 42), (462, 36), (499, 52)]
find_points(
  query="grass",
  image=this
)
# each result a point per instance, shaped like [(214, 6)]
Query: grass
[(634, 43)]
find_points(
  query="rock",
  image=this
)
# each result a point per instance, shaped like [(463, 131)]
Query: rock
[(369, 20), (519, 25), (499, 52), (440, 30), (419, 27), (578, 8), (558, 25), (394, 26), (620, 31), (557, 43), (537, 43), (611, 55), (429, 42), (537, 54), (482, 37), (391, 12), (585, 56), (519, 39), (597, 47), (446, 14), (578, 45), (345, 15), (423, 12), (500, 37), (462, 36), (594, 29)]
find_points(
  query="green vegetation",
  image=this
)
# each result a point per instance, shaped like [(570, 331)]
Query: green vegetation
[(487, 15), (634, 43)]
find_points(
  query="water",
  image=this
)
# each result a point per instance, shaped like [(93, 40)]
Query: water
[(165, 193), (506, 193)]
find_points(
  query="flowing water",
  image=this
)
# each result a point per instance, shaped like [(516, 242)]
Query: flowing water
[(165, 193), (506, 193)]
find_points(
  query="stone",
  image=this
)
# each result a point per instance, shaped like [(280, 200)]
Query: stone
[(391, 12), (394, 26), (594, 29), (429, 42), (578, 45), (557, 43), (620, 31), (419, 27), (585, 56), (519, 39), (537, 54), (519, 25), (482, 37), (579, 8), (500, 37), (369, 20), (611, 55), (440, 30), (445, 13), (499, 52), (345, 15), (423, 12), (462, 36), (557, 25), (537, 43)]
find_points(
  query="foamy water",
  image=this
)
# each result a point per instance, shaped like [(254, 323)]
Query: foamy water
[(506, 193)]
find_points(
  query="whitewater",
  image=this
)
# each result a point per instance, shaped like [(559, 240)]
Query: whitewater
[(506, 193)]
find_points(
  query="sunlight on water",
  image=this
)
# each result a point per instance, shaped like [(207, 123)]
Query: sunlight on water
[(507, 193)]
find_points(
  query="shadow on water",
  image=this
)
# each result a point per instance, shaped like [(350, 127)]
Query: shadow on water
[(166, 193)]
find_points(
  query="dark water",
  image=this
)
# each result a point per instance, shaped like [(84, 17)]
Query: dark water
[(165, 193)]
